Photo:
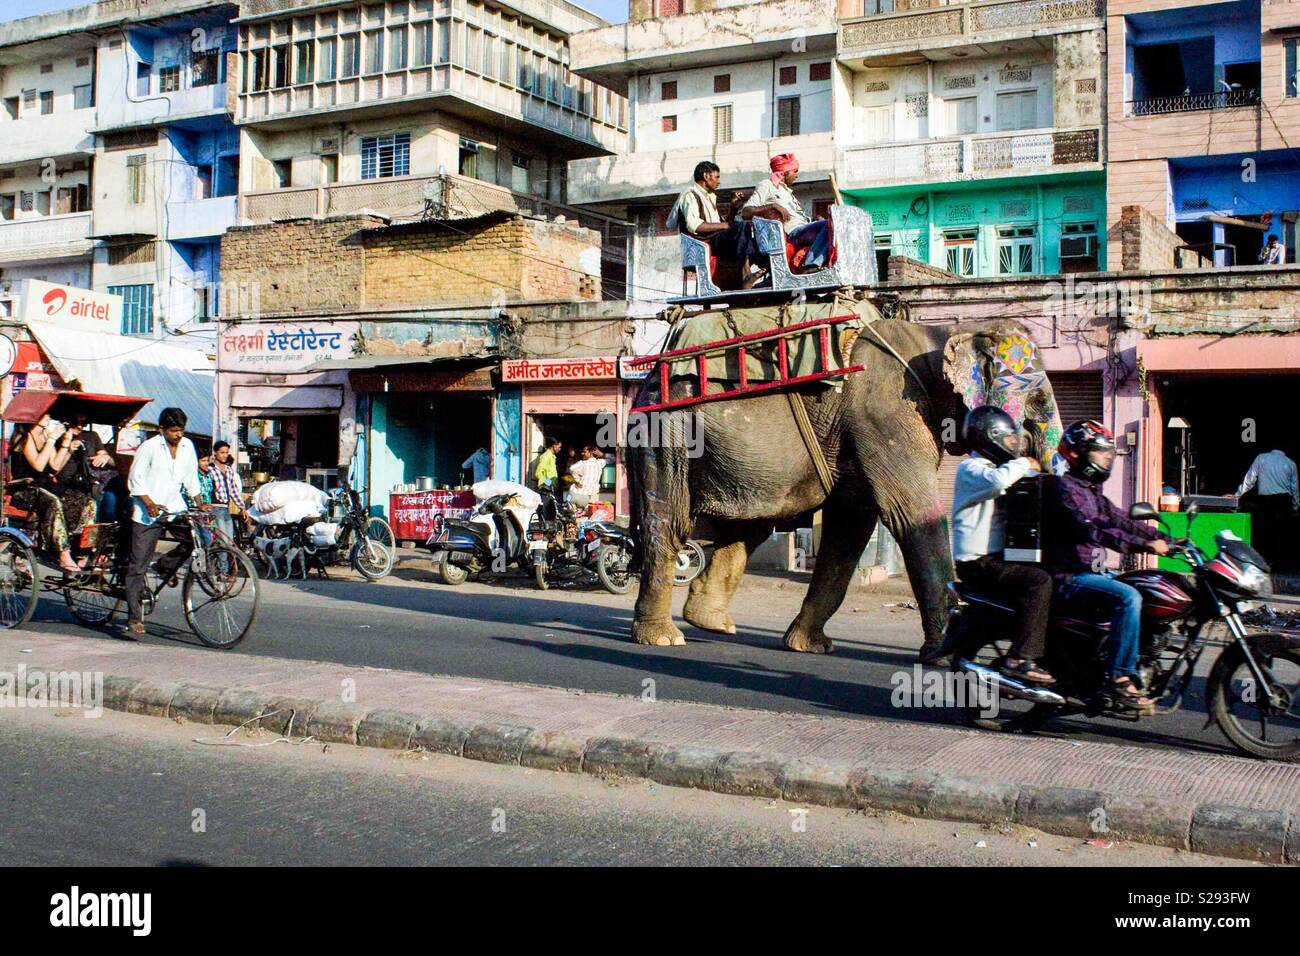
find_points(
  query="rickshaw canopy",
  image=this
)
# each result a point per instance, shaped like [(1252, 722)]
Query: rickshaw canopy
[(31, 405)]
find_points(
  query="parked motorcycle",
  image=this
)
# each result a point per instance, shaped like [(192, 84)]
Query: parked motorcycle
[(1252, 692), (607, 550), (553, 542), (493, 538)]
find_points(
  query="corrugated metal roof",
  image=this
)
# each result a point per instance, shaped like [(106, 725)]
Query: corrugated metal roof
[(123, 365)]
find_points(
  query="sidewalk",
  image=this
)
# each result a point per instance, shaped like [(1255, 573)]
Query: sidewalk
[(1221, 805)]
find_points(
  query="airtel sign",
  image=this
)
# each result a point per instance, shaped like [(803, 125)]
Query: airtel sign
[(72, 307)]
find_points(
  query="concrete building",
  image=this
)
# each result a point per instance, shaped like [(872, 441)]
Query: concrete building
[(1203, 114), (732, 83), (972, 132), (416, 106)]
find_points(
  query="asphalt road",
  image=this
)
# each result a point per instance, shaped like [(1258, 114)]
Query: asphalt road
[(578, 637), (127, 790)]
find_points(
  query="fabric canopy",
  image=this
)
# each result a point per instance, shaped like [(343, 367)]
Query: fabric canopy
[(123, 365), (31, 405)]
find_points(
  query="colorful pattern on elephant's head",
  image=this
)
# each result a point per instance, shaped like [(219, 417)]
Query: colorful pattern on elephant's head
[(1015, 354)]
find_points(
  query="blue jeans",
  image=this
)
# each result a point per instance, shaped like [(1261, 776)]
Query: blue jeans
[(221, 517), (817, 236), (1126, 617)]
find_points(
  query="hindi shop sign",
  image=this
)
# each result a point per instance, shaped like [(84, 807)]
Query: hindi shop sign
[(597, 369), (71, 307), (283, 347)]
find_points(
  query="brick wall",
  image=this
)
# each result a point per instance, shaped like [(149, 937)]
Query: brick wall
[(358, 262), (1147, 245), (906, 271)]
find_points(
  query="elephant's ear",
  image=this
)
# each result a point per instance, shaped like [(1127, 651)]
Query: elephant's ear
[(997, 364)]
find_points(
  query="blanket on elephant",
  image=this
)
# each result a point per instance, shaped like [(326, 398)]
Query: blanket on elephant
[(802, 353)]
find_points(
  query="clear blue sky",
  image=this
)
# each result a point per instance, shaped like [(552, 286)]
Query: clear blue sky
[(612, 10)]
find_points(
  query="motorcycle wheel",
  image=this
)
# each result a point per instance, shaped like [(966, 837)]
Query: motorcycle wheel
[(689, 563), (1234, 702), (452, 574), (612, 564), (1012, 716), (539, 575)]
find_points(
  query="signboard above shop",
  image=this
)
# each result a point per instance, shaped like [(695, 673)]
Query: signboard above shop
[(283, 347), (399, 379), (71, 307), (595, 369)]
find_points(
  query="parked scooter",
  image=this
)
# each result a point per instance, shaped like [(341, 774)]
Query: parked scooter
[(1252, 692), (492, 539)]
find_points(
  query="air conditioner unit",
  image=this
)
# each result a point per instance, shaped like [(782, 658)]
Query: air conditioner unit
[(1078, 247), (327, 144)]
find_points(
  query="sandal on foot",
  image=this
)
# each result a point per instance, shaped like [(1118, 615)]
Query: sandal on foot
[(1026, 670), (1125, 693)]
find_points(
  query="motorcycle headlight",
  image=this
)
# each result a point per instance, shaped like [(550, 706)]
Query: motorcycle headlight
[(1256, 580)]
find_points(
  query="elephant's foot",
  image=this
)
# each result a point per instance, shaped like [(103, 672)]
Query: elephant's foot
[(658, 633), (708, 617), (800, 638)]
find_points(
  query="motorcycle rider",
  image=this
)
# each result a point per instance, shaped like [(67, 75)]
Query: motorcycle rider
[(1080, 523), (996, 462)]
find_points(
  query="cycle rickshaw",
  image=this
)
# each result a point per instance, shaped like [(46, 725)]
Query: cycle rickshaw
[(219, 587)]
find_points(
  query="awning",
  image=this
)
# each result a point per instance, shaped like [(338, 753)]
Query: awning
[(32, 404), (122, 365), (377, 362)]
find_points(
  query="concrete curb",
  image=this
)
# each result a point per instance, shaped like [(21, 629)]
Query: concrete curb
[(1249, 834)]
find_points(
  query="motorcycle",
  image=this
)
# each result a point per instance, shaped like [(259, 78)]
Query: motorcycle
[(493, 538), (1252, 692), (607, 550), (553, 536)]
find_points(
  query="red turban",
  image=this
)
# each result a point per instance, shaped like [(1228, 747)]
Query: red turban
[(781, 164)]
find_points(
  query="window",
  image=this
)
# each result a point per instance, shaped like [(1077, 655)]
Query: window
[(280, 66), (47, 67), (467, 164), (72, 199), (47, 102), (329, 62), (1078, 248), (143, 75), (169, 79), (385, 156), (423, 53), (374, 52), (519, 173), (1016, 247), (819, 72), (83, 97), (1018, 110), (668, 90), (283, 171), (305, 62), (205, 68), (872, 7), (722, 124), (959, 251), (473, 43), (787, 116), (8, 206), (329, 168), (135, 177), (203, 182), (11, 107), (444, 42), (722, 83), (350, 60), (884, 249), (963, 114), (667, 8), (137, 308), (878, 124), (203, 299), (490, 56), (1292, 87), (397, 48), (255, 77), (669, 124), (43, 203), (788, 75)]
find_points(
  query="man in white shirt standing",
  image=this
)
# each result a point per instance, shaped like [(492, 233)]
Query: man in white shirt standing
[(1273, 476), (586, 472), (164, 466), (979, 533)]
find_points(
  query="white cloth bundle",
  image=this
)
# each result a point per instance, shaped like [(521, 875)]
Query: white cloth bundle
[(491, 488), (275, 495)]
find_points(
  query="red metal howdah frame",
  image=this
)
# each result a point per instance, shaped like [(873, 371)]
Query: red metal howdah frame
[(702, 353)]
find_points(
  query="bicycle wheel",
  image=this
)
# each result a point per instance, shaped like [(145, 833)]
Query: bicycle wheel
[(221, 597), (378, 530), (92, 606), (690, 562), (20, 582)]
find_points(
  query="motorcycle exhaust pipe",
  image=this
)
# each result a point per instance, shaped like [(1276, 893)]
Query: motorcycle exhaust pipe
[(1009, 686)]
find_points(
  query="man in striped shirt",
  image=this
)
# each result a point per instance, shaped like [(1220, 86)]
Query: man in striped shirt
[(227, 489)]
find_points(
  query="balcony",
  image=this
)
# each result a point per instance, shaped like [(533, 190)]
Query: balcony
[(33, 138), (665, 173), (416, 197), (931, 24), (1193, 102), (201, 218), (749, 31), (984, 156), (51, 237)]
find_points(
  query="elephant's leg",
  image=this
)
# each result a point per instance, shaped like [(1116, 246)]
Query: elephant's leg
[(928, 557), (708, 605), (846, 529), (665, 522)]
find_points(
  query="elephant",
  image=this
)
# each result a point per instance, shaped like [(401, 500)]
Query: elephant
[(882, 433)]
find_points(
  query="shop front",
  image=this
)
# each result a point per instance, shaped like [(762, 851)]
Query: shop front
[(578, 402)]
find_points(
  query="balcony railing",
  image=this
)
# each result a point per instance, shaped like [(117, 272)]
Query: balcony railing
[(936, 22), (970, 156), (417, 197), (54, 235), (1191, 102)]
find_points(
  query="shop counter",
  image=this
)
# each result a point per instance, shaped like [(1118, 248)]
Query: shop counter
[(412, 514)]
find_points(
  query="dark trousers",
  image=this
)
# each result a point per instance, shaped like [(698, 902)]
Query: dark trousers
[(144, 542), (1025, 587), (1270, 527)]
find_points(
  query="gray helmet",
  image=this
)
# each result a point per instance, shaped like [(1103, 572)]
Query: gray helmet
[(989, 430)]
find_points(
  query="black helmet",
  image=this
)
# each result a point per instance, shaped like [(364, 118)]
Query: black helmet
[(991, 432), (1077, 444)]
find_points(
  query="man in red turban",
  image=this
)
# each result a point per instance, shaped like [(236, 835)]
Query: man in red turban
[(774, 199)]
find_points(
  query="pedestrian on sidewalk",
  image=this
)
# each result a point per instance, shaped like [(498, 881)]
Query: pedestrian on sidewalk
[(227, 489)]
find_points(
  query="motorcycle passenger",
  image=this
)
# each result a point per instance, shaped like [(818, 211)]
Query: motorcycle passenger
[(1080, 524), (996, 462)]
